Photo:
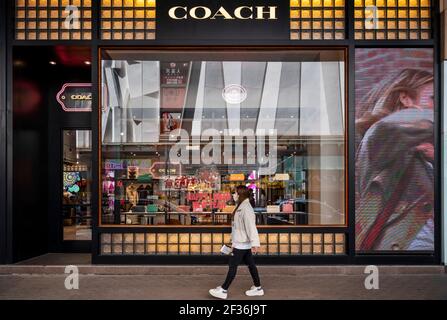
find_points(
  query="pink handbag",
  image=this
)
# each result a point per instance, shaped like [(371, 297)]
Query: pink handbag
[(287, 207), (197, 207)]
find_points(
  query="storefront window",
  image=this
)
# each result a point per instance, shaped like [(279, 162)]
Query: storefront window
[(180, 130), (76, 205)]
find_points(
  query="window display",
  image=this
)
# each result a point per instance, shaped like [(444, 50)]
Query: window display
[(180, 130)]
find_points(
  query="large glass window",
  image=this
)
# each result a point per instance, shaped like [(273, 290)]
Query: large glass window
[(181, 129)]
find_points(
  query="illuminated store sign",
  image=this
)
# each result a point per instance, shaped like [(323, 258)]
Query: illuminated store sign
[(242, 13), (201, 19), (75, 97)]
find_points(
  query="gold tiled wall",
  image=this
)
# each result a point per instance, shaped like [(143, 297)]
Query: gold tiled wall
[(317, 19), (392, 19), (51, 20), (210, 243), (309, 19), (128, 19)]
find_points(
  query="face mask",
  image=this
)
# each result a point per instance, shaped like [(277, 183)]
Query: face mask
[(235, 197)]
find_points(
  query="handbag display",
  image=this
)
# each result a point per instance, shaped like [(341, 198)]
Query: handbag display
[(273, 209), (183, 208), (147, 177), (197, 207), (228, 208), (287, 207), (152, 208)]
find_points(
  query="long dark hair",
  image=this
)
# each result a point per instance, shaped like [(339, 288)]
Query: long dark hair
[(384, 99), (244, 193)]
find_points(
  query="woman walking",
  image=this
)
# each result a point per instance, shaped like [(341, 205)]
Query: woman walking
[(245, 242)]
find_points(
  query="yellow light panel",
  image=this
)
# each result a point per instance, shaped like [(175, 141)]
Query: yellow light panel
[(316, 19), (45, 19), (130, 19), (396, 19)]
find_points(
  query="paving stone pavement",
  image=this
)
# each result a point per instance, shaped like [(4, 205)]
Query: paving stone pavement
[(195, 287), (43, 278)]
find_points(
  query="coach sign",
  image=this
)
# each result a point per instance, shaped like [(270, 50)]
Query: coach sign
[(208, 20), (75, 97), (241, 13)]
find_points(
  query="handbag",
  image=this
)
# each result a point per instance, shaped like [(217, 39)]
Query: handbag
[(287, 207), (226, 249), (152, 208), (197, 207), (183, 208), (273, 209), (147, 177), (229, 209)]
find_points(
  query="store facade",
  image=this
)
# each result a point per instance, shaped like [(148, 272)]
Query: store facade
[(328, 110)]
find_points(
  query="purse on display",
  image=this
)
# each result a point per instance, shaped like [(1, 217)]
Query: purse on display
[(228, 209), (147, 177), (197, 207), (287, 207), (144, 220), (183, 208), (132, 219), (273, 209), (152, 208)]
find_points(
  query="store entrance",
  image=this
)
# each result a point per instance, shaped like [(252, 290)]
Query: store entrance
[(76, 210), (51, 150)]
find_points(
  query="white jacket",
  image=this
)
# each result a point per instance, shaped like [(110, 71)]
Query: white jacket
[(244, 225)]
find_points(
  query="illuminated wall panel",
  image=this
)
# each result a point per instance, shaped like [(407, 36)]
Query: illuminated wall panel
[(210, 243), (128, 19), (392, 19), (53, 20), (317, 19)]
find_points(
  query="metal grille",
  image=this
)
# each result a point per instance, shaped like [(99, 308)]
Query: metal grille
[(53, 20), (128, 19), (317, 19), (392, 19), (185, 243)]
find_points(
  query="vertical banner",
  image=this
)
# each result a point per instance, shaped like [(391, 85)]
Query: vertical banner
[(394, 150)]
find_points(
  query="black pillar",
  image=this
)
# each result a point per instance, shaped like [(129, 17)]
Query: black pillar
[(4, 230)]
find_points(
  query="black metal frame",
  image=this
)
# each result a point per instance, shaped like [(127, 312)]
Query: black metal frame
[(350, 43), (8, 22), (3, 131)]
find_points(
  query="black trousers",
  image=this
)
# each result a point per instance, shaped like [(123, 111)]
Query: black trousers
[(235, 260)]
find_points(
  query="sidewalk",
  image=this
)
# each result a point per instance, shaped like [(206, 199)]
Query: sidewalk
[(46, 281)]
